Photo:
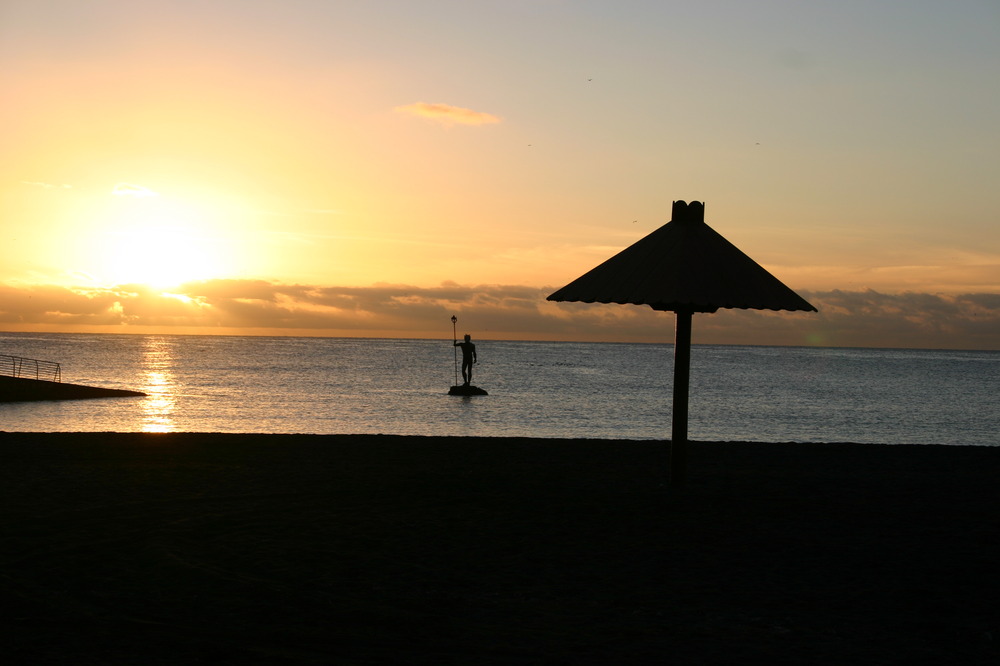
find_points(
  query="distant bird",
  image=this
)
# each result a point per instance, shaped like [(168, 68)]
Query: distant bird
[(590, 79)]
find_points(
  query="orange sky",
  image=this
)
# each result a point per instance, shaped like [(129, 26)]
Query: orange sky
[(372, 168)]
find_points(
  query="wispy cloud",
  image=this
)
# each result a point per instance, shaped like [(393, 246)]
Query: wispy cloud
[(845, 319), (47, 186), (448, 114), (132, 190)]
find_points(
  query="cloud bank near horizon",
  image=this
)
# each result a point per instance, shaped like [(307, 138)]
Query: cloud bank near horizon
[(845, 319)]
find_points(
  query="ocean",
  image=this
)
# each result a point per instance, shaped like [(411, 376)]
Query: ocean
[(536, 389)]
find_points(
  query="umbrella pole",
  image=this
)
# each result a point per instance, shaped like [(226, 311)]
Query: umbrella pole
[(682, 377)]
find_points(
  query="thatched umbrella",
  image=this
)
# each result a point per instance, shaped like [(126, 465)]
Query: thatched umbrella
[(685, 266)]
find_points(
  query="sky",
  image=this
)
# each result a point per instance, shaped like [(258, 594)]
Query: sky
[(371, 168)]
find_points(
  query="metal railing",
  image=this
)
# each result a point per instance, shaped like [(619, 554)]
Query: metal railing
[(30, 368)]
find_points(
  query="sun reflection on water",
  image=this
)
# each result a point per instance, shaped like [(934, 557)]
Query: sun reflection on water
[(159, 385)]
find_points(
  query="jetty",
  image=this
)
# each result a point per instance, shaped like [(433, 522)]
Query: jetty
[(27, 379)]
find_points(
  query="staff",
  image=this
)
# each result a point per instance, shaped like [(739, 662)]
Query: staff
[(454, 343)]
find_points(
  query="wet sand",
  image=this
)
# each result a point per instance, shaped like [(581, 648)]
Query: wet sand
[(176, 549)]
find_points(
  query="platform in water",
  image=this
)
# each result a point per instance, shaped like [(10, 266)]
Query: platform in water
[(466, 389)]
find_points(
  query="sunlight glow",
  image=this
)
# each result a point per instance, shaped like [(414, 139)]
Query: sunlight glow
[(158, 406), (158, 257), (153, 240)]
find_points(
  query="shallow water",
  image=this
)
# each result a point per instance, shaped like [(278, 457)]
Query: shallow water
[(537, 389)]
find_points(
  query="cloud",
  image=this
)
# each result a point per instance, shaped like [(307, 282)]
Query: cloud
[(47, 186), (447, 114), (131, 190), (845, 319)]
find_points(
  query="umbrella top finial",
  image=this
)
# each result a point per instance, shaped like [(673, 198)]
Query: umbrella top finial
[(688, 212)]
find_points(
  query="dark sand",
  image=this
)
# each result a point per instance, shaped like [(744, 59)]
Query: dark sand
[(179, 549)]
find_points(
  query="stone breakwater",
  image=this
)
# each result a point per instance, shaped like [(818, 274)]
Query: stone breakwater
[(18, 389)]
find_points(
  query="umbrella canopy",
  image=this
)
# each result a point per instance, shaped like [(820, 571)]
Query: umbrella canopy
[(684, 266)]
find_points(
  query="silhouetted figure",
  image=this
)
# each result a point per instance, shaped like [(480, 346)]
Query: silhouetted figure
[(468, 358)]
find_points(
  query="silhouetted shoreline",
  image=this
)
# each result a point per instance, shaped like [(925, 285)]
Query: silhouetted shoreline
[(175, 548)]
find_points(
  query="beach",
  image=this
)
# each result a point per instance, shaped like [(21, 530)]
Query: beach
[(376, 549)]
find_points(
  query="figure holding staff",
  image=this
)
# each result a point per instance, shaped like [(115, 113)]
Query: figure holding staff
[(469, 358)]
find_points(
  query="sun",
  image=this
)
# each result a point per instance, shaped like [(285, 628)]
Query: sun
[(152, 240), (160, 256)]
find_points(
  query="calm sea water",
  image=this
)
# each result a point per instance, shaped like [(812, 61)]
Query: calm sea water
[(537, 389)]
